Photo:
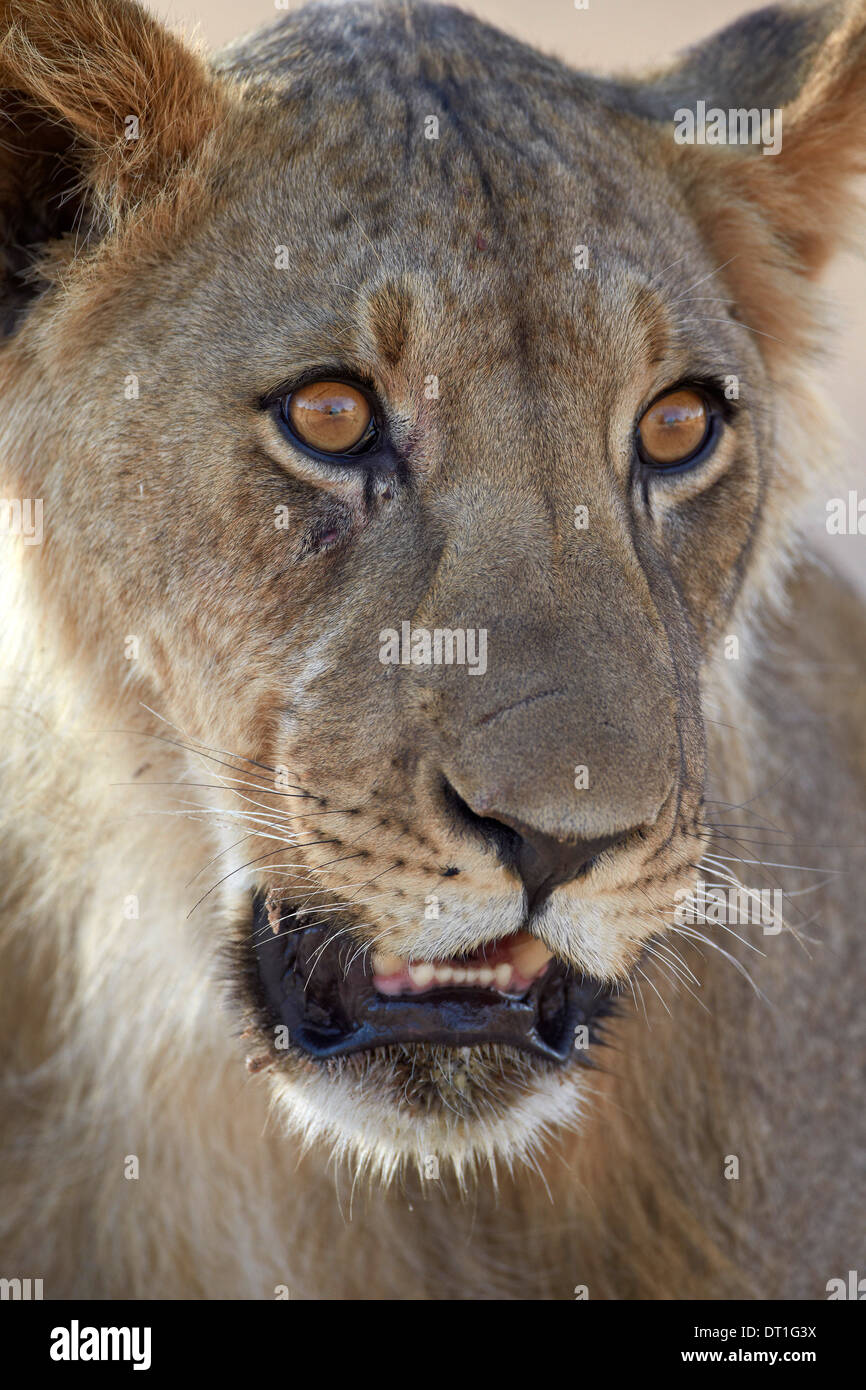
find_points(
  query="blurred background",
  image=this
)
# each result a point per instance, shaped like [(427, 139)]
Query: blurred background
[(621, 36)]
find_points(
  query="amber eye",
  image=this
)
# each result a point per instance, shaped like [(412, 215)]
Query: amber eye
[(330, 416), (674, 428)]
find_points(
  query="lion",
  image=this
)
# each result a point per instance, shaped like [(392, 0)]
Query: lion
[(418, 673)]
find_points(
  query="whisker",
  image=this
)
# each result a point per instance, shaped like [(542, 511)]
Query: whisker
[(734, 323), (695, 935), (708, 276), (240, 868)]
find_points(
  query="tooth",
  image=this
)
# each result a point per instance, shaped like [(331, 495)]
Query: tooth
[(458, 975), (485, 975), (529, 956), (386, 964), (421, 974), (443, 974), (502, 975), (389, 984), (472, 977)]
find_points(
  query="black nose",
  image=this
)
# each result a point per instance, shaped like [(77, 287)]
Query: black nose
[(542, 861)]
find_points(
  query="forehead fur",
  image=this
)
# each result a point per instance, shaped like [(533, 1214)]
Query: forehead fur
[(519, 140), (458, 249)]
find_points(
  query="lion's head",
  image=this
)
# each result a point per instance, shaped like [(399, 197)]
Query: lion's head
[(423, 412)]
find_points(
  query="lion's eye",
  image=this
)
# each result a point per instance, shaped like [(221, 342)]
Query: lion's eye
[(674, 428), (330, 417)]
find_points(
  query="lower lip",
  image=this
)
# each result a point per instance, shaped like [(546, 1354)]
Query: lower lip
[(357, 1017)]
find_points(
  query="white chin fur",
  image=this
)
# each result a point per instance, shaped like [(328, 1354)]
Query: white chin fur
[(381, 1141)]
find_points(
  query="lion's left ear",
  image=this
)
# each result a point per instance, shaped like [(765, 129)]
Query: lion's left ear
[(101, 110), (776, 210)]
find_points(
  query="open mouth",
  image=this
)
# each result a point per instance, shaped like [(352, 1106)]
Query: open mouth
[(335, 999)]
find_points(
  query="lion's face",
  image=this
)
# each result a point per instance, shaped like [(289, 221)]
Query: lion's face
[(449, 684)]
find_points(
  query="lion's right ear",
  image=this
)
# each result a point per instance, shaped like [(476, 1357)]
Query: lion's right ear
[(102, 110)]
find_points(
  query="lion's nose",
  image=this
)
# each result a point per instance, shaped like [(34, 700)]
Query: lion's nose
[(542, 861)]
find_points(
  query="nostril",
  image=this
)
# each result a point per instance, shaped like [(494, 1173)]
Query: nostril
[(542, 861), (493, 832)]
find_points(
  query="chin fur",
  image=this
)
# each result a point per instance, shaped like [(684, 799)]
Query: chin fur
[(358, 1108)]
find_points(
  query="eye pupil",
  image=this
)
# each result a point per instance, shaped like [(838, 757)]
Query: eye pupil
[(673, 428), (329, 416)]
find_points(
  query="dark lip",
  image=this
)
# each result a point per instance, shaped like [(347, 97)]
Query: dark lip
[(316, 982)]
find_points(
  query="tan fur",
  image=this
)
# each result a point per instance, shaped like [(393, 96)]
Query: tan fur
[(154, 779)]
